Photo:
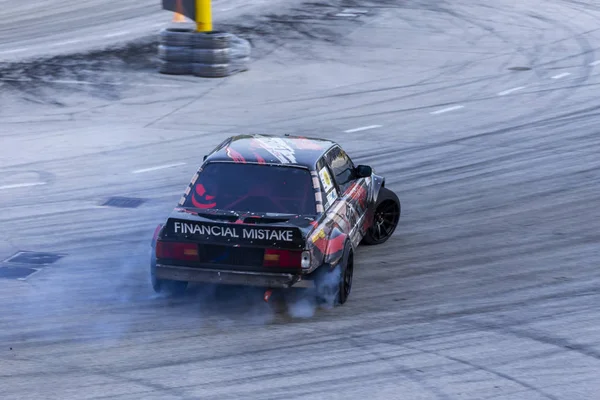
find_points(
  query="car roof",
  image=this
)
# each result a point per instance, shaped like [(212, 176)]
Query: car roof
[(272, 149)]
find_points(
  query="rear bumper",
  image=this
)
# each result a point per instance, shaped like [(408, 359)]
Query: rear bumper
[(227, 277)]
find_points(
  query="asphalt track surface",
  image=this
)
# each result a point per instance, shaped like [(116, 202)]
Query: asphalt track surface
[(30, 28), (487, 290)]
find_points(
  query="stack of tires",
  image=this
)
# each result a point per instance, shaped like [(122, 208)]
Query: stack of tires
[(214, 54)]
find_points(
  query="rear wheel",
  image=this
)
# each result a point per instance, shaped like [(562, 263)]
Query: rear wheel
[(346, 281), (385, 218), (334, 286), (164, 286)]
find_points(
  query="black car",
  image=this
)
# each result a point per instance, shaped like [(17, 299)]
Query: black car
[(274, 212)]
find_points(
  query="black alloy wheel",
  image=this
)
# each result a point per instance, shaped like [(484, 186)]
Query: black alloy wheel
[(385, 220), (346, 281)]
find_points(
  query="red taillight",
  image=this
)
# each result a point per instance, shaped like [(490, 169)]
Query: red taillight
[(282, 258), (156, 232), (177, 251)]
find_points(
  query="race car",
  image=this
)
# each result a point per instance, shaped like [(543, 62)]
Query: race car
[(276, 212)]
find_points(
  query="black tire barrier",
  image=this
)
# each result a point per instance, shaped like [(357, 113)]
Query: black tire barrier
[(175, 68), (220, 70), (204, 54), (212, 40), (177, 54), (176, 37), (220, 56)]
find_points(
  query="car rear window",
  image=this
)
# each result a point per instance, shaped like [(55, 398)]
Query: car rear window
[(253, 188)]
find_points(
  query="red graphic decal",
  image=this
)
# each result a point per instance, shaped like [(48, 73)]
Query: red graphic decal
[(358, 193), (335, 245), (201, 191), (259, 158), (235, 156), (239, 221), (321, 244), (314, 223), (331, 246)]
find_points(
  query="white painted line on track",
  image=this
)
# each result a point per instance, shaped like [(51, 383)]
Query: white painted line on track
[(362, 128), (116, 34), (445, 110), (19, 50), (595, 63), (69, 82), (345, 15), (66, 42), (21, 185), (561, 75), (141, 171), (509, 91), (355, 11)]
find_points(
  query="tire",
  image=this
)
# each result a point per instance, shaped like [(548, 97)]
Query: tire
[(385, 218), (219, 56), (174, 68), (220, 70), (176, 37), (211, 56), (334, 286), (178, 54), (164, 286), (211, 40)]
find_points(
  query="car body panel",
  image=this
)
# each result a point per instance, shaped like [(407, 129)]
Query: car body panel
[(270, 149), (343, 214)]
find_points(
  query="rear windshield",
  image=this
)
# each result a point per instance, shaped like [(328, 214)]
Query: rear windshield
[(253, 188)]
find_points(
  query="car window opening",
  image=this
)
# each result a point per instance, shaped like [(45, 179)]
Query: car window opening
[(253, 188)]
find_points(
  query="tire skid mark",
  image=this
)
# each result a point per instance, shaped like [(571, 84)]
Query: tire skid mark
[(454, 250), (467, 363), (507, 328), (410, 373)]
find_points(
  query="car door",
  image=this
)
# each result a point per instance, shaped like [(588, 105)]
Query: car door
[(352, 192)]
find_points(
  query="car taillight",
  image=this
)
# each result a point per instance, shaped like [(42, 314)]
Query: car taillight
[(177, 251), (282, 258), (156, 232)]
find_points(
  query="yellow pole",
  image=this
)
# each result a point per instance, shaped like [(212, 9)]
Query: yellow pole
[(203, 16)]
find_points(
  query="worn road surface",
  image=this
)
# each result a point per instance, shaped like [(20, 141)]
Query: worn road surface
[(484, 117), (33, 28)]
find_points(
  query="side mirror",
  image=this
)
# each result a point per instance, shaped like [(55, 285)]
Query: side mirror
[(204, 159), (363, 171)]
